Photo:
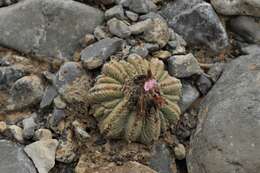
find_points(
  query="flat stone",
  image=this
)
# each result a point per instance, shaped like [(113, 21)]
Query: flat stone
[(141, 26), (43, 134), (25, 92), (132, 16), (13, 159), (237, 7), (216, 70), (42, 154), (118, 28), (43, 28), (182, 66), (227, 138), (247, 27), (116, 11), (197, 22), (49, 94), (96, 54)]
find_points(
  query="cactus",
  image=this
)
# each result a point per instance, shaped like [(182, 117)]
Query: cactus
[(135, 99)]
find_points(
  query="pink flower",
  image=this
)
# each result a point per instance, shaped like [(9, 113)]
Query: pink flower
[(150, 84)]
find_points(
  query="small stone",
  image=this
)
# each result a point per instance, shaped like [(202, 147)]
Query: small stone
[(96, 54), (43, 134), (180, 152), (59, 103), (140, 50), (88, 40), (49, 94), (182, 66), (118, 28), (141, 27), (100, 33), (42, 154), (56, 117), (189, 95), (3, 126), (80, 131), (215, 71), (151, 47), (162, 54), (29, 127), (25, 92), (116, 11), (15, 132), (158, 33), (203, 84), (177, 45), (139, 6), (132, 16)]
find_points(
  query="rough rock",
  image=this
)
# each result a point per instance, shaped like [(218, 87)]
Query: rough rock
[(161, 159), (95, 55), (13, 159), (141, 26), (87, 40), (25, 92), (139, 6), (132, 16), (189, 95), (116, 11), (101, 32), (203, 84), (43, 134), (177, 44), (237, 7), (43, 28), (215, 71), (140, 50), (118, 28), (80, 132), (49, 94), (15, 132), (29, 126), (59, 103), (162, 54), (56, 117), (3, 126), (180, 152), (227, 138), (182, 66), (247, 27), (197, 22), (42, 154), (9, 74)]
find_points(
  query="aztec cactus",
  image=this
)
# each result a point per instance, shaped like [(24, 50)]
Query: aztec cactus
[(135, 99)]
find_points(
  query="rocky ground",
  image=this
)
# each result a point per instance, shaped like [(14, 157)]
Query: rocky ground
[(51, 52)]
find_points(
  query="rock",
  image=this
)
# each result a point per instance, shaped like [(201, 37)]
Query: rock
[(227, 138), (44, 30), (151, 47), (237, 7), (13, 159), (182, 66), (43, 134), (56, 117), (25, 92), (189, 95), (251, 48), (9, 74), (247, 27), (139, 6), (180, 152), (59, 103), (3, 126), (96, 54), (158, 33), (197, 22), (101, 32), (215, 71), (161, 159), (118, 28), (177, 44), (141, 27), (106, 2), (42, 154), (132, 16), (129, 167), (80, 132), (140, 50), (15, 132), (162, 54), (65, 152), (87, 40), (49, 94), (116, 11), (29, 127), (203, 84)]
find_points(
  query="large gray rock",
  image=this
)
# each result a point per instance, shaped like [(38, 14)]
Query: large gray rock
[(197, 22), (227, 139), (47, 28), (237, 7), (13, 159), (247, 27)]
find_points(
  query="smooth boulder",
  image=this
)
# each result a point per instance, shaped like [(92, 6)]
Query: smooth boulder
[(47, 28), (227, 139)]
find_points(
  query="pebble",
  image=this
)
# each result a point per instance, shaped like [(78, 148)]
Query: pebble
[(141, 27), (29, 126), (118, 28), (59, 103), (162, 54), (100, 33), (215, 71), (3, 126), (15, 132), (139, 6), (56, 117), (203, 84), (140, 50), (182, 66), (117, 11), (180, 152), (87, 40), (43, 134), (80, 131), (49, 94), (132, 16)]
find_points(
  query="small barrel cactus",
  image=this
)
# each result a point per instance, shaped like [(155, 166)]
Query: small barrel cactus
[(135, 99)]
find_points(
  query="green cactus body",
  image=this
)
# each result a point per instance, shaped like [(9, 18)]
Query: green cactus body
[(126, 108)]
